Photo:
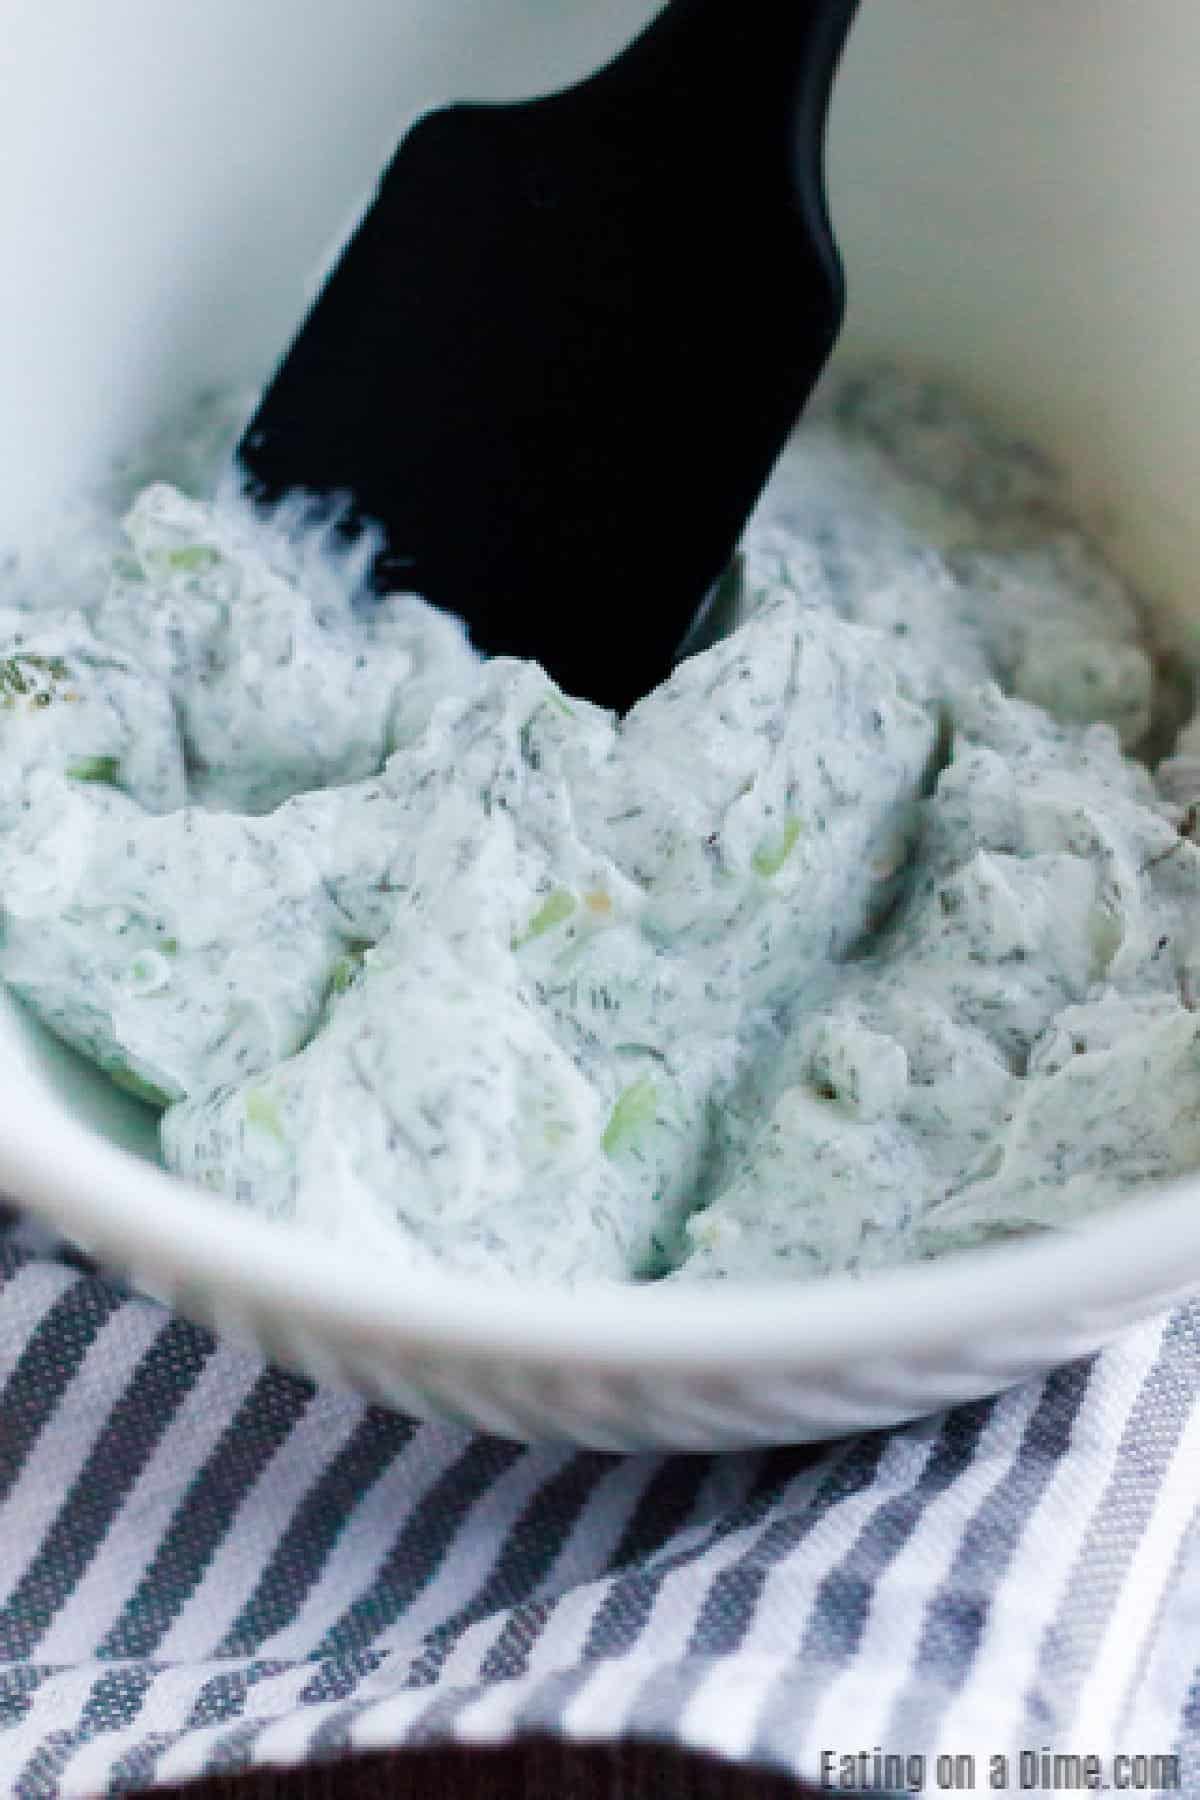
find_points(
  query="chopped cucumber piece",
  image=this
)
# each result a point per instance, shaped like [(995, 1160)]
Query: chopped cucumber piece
[(343, 973), (194, 559), (347, 966), (769, 859), (636, 1108), (556, 910), (263, 1110)]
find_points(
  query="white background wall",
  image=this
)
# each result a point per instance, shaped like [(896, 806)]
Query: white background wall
[(1015, 183)]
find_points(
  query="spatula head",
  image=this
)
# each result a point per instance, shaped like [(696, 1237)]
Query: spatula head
[(567, 342)]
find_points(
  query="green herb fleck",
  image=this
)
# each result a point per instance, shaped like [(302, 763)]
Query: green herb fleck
[(556, 910), (28, 674), (169, 946), (263, 1110), (140, 1089), (636, 1108), (769, 859), (94, 768)]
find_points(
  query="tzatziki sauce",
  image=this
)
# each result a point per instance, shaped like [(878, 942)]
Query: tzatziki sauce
[(868, 934)]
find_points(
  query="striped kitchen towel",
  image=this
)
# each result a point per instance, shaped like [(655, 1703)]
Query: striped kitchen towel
[(206, 1565)]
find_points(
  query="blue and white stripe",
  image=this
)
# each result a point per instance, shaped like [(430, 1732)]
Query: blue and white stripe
[(205, 1564)]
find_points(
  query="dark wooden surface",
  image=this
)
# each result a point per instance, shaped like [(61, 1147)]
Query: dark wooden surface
[(539, 1771)]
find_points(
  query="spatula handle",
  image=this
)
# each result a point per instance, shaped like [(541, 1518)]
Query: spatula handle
[(755, 74), (741, 60)]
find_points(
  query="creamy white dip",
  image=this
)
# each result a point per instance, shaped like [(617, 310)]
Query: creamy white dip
[(859, 938)]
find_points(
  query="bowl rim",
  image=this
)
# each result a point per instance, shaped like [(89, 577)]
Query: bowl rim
[(173, 1236)]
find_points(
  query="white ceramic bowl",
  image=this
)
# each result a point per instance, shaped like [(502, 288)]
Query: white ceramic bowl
[(1014, 188)]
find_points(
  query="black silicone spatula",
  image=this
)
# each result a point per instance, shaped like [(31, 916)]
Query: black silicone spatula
[(562, 351)]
